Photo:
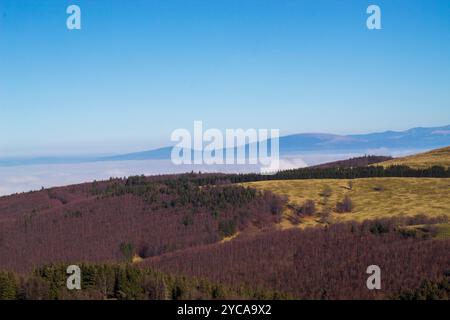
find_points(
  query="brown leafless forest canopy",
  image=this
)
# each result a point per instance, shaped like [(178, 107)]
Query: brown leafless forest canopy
[(319, 263), (203, 226), (115, 220)]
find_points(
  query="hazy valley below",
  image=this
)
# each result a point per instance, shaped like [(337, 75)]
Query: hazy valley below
[(24, 178)]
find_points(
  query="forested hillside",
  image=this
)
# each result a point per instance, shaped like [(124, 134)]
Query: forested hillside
[(207, 236), (321, 263), (122, 219), (119, 282), (354, 162)]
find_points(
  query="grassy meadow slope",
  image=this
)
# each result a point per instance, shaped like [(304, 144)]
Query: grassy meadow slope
[(437, 157), (372, 197)]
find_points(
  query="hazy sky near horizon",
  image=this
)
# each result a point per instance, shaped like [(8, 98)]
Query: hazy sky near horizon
[(137, 70)]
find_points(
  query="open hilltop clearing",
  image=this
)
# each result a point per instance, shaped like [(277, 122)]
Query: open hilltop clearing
[(371, 198), (438, 157)]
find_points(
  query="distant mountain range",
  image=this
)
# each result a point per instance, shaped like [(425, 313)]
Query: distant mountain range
[(412, 139), (385, 143)]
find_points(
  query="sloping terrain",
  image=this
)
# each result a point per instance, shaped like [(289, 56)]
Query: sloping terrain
[(354, 162), (371, 198), (115, 220), (318, 263), (204, 226), (438, 157)]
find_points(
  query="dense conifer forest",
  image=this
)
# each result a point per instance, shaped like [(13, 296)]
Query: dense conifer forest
[(118, 282)]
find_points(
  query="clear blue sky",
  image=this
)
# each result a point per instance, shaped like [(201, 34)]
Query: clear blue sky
[(140, 69)]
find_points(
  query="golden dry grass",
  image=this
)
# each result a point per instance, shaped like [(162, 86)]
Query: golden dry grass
[(136, 259), (438, 157), (443, 231), (229, 238), (372, 197)]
